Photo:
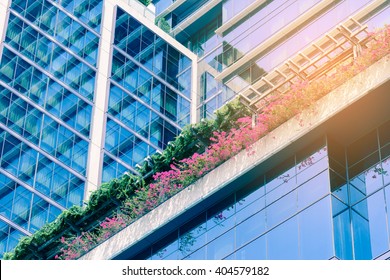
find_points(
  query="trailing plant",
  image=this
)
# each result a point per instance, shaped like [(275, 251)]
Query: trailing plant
[(194, 138), (146, 2), (163, 24), (77, 219)]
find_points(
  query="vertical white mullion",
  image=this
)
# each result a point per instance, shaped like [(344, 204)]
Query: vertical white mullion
[(4, 14), (195, 81), (96, 154)]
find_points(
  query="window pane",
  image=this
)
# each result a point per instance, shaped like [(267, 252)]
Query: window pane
[(342, 236), (377, 222), (250, 228), (221, 247), (361, 237), (283, 241), (255, 250), (315, 232)]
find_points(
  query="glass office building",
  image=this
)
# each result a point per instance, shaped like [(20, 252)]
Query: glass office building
[(323, 196), (89, 88), (83, 99)]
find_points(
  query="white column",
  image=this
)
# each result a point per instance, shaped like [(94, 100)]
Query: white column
[(95, 158), (195, 86), (4, 13)]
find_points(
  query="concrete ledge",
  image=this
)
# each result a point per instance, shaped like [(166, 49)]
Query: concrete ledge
[(289, 132), (194, 17), (171, 8), (237, 18)]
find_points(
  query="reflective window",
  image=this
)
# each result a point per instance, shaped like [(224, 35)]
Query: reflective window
[(145, 121), (68, 32), (250, 228), (87, 11), (387, 198), (9, 238), (123, 144), (184, 11), (246, 208), (141, 84), (361, 237), (281, 209), (149, 50), (151, 87), (280, 175), (221, 246), (17, 73), (231, 8), (167, 252), (220, 218), (377, 219), (237, 43), (192, 237), (205, 40), (214, 95), (283, 241), (60, 103), (42, 213), (313, 190), (342, 235), (17, 158), (44, 132), (256, 250), (64, 145), (197, 255), (57, 183), (39, 172), (322, 216), (312, 165), (161, 5), (294, 44), (112, 169), (315, 231)]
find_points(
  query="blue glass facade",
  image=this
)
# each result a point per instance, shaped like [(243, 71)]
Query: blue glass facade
[(49, 69), (219, 51), (47, 83), (326, 201), (150, 95)]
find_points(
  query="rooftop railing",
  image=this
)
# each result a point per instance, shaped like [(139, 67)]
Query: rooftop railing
[(342, 43)]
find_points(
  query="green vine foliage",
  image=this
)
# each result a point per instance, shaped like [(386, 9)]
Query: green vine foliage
[(194, 138), (76, 219), (145, 2), (163, 24), (28, 246), (119, 189)]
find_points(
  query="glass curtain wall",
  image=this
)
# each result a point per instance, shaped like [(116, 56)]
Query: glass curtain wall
[(47, 83), (149, 99), (218, 52)]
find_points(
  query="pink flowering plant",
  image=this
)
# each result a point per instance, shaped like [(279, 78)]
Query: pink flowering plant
[(224, 145)]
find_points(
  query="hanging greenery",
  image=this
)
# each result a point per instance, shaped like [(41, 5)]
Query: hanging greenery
[(145, 2)]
